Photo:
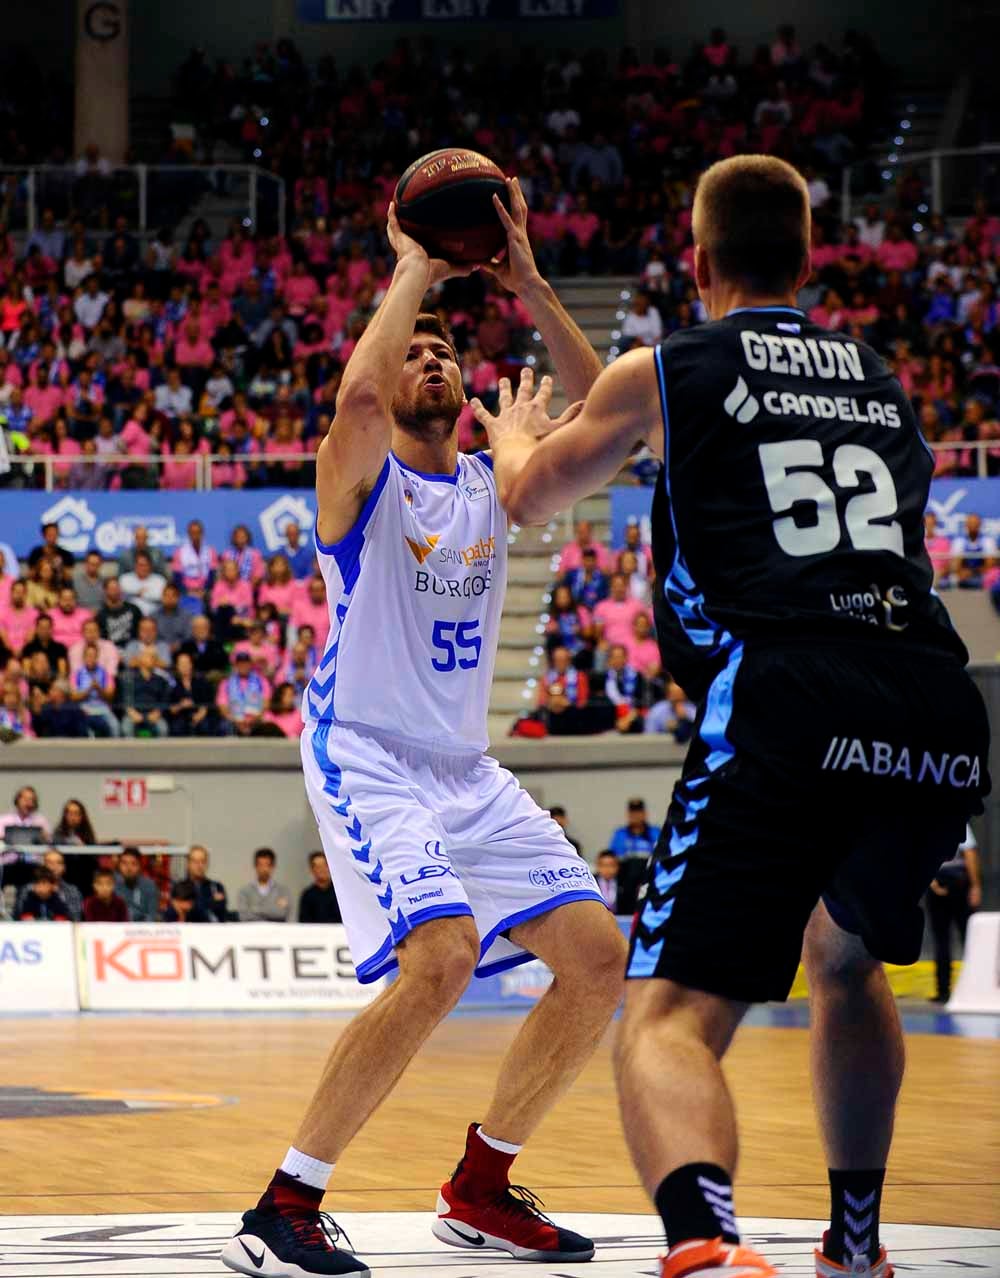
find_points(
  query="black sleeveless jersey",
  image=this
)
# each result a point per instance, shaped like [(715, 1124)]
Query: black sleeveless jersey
[(791, 499)]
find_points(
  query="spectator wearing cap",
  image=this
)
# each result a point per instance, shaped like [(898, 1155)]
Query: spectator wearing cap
[(636, 837), (244, 694), (137, 890), (42, 902), (184, 906), (104, 905), (572, 554), (318, 903), (142, 586), (265, 900)]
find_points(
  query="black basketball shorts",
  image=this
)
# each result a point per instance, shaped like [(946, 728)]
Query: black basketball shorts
[(844, 774)]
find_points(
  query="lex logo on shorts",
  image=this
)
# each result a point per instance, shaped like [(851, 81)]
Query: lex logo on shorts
[(563, 879)]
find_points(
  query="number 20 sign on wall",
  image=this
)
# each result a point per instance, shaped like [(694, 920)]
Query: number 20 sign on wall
[(120, 793)]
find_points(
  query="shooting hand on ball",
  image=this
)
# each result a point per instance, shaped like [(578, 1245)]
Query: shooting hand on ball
[(404, 245), (517, 269)]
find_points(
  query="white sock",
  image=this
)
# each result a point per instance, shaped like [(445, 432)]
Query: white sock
[(501, 1145), (309, 1170)]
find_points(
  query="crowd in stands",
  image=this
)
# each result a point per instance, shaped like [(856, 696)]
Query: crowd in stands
[(603, 663), (213, 642), (115, 352), (135, 885)]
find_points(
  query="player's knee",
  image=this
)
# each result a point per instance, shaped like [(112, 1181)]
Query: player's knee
[(438, 967), (835, 958), (600, 972)]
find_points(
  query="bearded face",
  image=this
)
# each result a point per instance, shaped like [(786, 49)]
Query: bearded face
[(429, 397)]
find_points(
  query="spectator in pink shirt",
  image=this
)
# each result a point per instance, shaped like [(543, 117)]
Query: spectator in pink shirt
[(264, 653), (134, 437), (17, 619), (63, 447), (227, 473), (283, 711), (300, 290), (7, 580), (231, 601), (310, 609), (615, 616), (938, 548), (108, 655), (896, 253), (479, 376), (43, 398), (68, 618), (358, 266), (280, 587), (193, 350), (582, 228), (179, 470), (643, 650), (572, 554)]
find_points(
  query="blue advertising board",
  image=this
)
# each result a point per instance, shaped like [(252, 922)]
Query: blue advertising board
[(453, 10), (105, 521), (950, 500)]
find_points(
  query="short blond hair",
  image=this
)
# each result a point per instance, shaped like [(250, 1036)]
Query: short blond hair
[(751, 214)]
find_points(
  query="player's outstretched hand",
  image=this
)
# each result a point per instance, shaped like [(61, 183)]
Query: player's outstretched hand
[(404, 245), (524, 416), (517, 269)]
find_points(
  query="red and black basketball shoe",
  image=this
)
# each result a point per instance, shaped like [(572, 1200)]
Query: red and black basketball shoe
[(294, 1243), (509, 1221)]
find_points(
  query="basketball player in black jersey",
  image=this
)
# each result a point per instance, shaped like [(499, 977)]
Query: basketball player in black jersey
[(794, 604)]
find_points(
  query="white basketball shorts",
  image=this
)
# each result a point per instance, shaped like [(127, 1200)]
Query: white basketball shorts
[(412, 835)]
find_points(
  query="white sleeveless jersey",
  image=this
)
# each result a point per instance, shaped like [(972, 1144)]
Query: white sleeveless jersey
[(415, 591)]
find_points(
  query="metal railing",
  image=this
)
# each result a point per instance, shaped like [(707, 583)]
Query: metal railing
[(149, 196), (210, 471), (945, 181)]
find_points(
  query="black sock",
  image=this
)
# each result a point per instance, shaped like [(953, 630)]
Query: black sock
[(696, 1201), (855, 1202)]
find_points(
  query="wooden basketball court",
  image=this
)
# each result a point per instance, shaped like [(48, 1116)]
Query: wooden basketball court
[(160, 1114)]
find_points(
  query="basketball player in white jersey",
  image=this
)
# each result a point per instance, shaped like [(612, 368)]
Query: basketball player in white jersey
[(444, 867)]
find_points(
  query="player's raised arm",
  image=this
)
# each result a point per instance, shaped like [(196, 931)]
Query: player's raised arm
[(576, 361), (350, 458), (542, 466)]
